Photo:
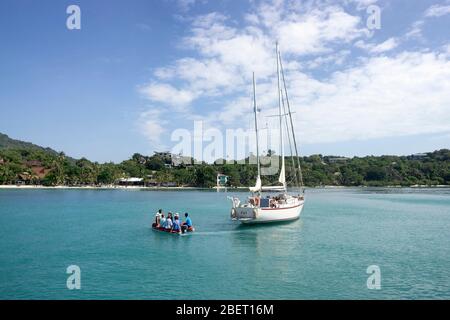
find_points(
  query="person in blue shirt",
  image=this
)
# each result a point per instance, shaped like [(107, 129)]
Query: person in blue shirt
[(187, 224), (162, 222), (176, 225)]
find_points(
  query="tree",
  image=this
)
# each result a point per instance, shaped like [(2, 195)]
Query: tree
[(88, 171), (154, 163), (429, 169), (375, 174), (205, 176), (139, 158), (132, 168), (108, 174), (50, 179)]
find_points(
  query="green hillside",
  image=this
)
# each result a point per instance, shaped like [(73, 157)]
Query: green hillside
[(26, 163), (9, 143)]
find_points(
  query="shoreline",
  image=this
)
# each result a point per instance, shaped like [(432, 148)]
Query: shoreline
[(107, 187), (114, 187)]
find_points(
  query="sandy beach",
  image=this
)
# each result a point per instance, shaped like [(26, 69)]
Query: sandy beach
[(110, 187), (106, 187)]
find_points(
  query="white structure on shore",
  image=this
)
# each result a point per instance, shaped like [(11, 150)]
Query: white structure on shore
[(131, 181)]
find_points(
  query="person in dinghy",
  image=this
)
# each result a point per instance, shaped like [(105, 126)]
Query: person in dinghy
[(158, 216), (172, 224), (187, 225)]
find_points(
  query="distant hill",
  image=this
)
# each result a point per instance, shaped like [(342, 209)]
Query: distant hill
[(26, 163), (9, 143)]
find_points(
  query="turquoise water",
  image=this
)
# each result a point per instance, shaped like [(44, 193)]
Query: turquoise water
[(324, 255)]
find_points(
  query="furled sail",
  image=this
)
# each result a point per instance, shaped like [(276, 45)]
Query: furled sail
[(257, 187), (282, 178)]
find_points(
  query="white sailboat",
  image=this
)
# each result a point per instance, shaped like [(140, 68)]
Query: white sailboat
[(260, 208)]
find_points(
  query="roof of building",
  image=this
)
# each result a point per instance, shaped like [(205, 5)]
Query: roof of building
[(131, 180)]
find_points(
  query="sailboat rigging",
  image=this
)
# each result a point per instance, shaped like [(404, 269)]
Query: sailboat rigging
[(283, 206)]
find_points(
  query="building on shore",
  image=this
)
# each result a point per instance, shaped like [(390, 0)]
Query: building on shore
[(179, 160), (336, 159), (222, 180), (34, 174), (131, 182), (169, 184), (165, 156), (418, 156)]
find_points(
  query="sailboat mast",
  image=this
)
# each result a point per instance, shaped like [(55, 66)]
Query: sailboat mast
[(256, 127), (292, 124), (282, 178)]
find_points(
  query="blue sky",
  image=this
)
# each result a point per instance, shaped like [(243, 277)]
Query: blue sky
[(139, 70)]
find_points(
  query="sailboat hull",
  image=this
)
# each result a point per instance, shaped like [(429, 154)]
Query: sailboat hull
[(248, 215)]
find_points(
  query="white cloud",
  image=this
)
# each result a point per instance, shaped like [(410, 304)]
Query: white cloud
[(415, 31), (241, 51), (362, 4), (378, 95), (312, 33), (229, 55), (209, 20), (152, 126), (387, 45), (446, 49), (437, 10), (207, 75), (407, 94), (404, 95), (168, 95), (186, 5), (363, 45), (336, 59)]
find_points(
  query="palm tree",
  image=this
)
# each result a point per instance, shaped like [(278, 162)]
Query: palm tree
[(58, 168)]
